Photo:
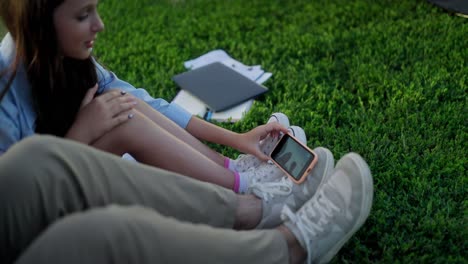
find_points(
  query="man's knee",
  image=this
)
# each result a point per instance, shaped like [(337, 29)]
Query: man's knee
[(39, 146), (23, 168), (94, 227), (34, 149)]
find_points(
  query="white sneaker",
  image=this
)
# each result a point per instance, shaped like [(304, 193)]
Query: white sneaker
[(246, 161), (325, 222), (268, 171), (275, 195)]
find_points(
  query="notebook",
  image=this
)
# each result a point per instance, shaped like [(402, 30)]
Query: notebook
[(218, 86), (196, 107)]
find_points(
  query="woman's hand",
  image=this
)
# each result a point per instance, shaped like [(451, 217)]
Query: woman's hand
[(249, 142), (98, 115)]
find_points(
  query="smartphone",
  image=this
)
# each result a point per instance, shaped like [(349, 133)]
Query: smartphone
[(294, 158)]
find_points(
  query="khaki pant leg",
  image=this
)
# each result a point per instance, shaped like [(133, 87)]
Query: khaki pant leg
[(141, 235), (43, 179)]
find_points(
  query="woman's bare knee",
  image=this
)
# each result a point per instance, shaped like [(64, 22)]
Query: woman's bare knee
[(127, 137)]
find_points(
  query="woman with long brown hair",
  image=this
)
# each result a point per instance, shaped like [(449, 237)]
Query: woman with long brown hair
[(51, 84)]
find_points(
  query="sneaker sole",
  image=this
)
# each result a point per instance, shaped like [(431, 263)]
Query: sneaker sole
[(367, 187)]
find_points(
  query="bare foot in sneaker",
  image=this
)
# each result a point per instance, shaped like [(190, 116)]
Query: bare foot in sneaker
[(297, 254), (248, 212), (325, 222)]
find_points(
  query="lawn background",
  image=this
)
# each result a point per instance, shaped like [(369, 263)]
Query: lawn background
[(386, 79)]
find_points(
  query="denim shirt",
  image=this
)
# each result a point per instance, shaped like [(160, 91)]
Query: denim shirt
[(17, 115)]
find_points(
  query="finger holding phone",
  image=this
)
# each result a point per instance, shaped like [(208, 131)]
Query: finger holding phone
[(249, 141)]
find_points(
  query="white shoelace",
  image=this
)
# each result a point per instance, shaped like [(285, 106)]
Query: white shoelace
[(322, 209), (268, 190)]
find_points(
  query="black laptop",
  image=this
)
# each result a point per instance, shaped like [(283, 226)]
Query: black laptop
[(219, 86)]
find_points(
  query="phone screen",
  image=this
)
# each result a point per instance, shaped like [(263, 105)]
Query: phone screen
[(292, 156)]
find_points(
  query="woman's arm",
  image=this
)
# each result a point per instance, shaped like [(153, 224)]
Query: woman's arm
[(108, 81), (16, 115), (10, 128), (204, 130), (244, 142)]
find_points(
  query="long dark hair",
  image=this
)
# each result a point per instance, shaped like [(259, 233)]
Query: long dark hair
[(58, 84)]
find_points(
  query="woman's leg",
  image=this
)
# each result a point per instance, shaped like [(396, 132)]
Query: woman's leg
[(45, 178), (141, 235), (179, 132), (151, 144)]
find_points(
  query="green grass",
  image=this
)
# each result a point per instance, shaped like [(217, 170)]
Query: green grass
[(386, 79)]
